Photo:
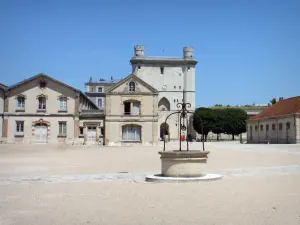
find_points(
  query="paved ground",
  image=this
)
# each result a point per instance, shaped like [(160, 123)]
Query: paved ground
[(42, 184)]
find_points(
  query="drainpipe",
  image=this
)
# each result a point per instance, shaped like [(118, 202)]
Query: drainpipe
[(277, 128)]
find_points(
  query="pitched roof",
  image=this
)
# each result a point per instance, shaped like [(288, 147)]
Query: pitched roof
[(50, 78), (132, 76), (289, 106)]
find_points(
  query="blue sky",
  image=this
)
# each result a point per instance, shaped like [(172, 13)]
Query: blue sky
[(248, 51)]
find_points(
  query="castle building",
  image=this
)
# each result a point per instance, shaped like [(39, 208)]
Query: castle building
[(170, 76)]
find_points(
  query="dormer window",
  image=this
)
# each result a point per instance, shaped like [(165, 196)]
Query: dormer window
[(100, 89), (131, 86)]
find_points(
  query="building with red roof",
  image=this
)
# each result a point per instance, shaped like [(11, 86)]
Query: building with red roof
[(279, 123)]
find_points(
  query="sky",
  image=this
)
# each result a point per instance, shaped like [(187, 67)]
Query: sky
[(247, 51)]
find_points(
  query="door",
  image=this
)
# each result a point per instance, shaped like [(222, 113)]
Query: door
[(41, 133), (91, 134)]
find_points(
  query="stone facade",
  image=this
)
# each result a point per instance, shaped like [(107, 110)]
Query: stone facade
[(44, 110), (2, 94), (278, 123), (131, 113), (170, 76), (280, 130)]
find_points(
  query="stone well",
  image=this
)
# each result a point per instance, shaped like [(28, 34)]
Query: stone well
[(183, 163)]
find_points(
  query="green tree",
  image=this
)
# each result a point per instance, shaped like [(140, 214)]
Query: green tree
[(234, 121), (273, 101), (203, 120), (218, 126)]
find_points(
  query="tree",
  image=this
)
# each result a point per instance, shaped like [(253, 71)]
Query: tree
[(234, 121), (273, 101), (218, 127), (203, 120)]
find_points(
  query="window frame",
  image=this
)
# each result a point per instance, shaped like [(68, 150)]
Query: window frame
[(62, 129), (131, 86), (42, 105), (19, 128), (60, 100), (132, 126)]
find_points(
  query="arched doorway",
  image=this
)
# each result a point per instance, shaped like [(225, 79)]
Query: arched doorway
[(164, 104), (164, 130)]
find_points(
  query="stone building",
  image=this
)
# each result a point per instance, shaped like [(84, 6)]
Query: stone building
[(95, 90), (44, 110), (2, 94), (279, 123), (131, 113), (170, 76)]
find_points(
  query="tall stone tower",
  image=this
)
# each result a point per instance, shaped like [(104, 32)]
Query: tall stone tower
[(170, 76)]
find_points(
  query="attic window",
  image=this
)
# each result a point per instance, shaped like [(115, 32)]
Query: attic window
[(131, 86), (43, 84)]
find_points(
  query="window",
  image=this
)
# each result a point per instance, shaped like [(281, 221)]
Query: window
[(19, 127), (288, 125), (99, 102), (161, 70), (273, 126), (131, 133), (63, 104), (100, 89), (21, 102), (43, 84), (132, 108), (131, 86), (92, 89), (261, 127), (62, 129), (139, 67), (256, 127), (280, 126), (179, 87), (267, 127), (42, 103), (174, 87), (80, 130)]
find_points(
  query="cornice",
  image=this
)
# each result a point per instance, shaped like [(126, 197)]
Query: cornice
[(163, 61)]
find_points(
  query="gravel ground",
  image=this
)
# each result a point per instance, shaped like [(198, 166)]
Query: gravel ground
[(48, 184)]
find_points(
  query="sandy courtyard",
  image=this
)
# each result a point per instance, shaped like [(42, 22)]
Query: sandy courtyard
[(43, 184)]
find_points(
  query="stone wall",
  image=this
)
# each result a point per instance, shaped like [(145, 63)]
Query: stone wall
[(274, 134)]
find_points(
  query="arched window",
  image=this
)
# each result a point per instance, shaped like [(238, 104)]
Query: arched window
[(164, 104), (131, 133), (131, 86)]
